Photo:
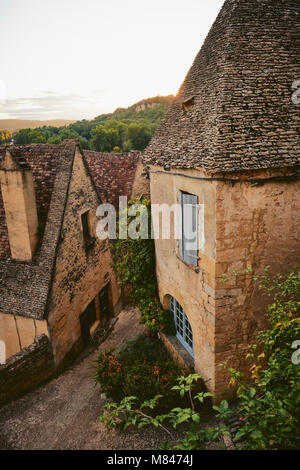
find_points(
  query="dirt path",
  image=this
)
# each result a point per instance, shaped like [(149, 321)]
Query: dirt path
[(63, 413)]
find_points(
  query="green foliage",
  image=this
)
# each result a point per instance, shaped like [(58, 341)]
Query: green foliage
[(125, 129), (268, 411), (134, 263), (48, 134), (139, 135), (128, 413), (104, 140), (29, 136), (141, 368)]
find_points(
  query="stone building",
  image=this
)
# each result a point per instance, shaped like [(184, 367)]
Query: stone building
[(228, 151), (56, 277)]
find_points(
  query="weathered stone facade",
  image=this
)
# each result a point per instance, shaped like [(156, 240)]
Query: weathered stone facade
[(187, 284), (231, 138), (26, 370), (256, 226), (80, 274), (70, 274), (244, 226)]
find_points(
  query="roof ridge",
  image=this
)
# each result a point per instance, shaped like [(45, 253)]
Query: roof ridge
[(25, 287)]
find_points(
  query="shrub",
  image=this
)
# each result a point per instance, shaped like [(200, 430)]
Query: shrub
[(130, 413), (142, 368), (268, 411)]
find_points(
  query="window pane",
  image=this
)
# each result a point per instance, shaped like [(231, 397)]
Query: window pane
[(182, 325)]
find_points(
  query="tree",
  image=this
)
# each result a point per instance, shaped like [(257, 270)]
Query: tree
[(104, 140), (139, 135), (5, 136), (29, 136)]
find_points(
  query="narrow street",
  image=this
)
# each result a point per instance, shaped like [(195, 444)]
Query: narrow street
[(63, 413)]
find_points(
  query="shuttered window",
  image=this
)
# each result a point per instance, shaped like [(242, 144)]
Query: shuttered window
[(189, 229)]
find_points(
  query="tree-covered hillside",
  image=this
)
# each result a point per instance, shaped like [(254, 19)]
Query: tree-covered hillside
[(120, 131)]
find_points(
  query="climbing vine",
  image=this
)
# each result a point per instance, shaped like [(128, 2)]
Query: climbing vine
[(134, 263)]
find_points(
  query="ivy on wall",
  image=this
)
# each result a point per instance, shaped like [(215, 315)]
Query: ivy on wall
[(134, 263)]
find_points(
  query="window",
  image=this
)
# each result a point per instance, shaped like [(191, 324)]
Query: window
[(104, 303), (183, 328), (87, 238), (187, 104), (189, 228)]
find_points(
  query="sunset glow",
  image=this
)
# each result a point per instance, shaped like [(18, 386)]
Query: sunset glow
[(77, 59)]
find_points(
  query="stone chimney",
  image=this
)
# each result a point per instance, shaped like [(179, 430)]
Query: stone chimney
[(19, 205)]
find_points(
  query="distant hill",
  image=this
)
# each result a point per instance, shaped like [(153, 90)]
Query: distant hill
[(14, 125), (148, 103), (121, 131)]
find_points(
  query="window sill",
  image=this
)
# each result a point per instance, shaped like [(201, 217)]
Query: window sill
[(196, 269), (178, 351)]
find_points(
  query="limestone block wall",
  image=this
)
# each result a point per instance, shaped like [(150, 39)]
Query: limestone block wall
[(245, 226), (256, 226), (19, 332), (141, 184), (26, 370), (191, 286), (80, 274)]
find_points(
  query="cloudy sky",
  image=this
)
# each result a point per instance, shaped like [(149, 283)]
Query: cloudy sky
[(76, 59)]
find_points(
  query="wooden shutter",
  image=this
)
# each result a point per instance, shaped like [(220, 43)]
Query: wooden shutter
[(190, 228)]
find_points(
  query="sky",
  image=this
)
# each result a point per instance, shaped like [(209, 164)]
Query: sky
[(76, 59)]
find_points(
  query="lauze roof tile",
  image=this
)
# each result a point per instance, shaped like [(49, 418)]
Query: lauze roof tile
[(234, 110)]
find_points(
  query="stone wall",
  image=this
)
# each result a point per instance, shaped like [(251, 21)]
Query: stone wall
[(189, 285), (141, 183), (246, 225), (26, 370), (80, 274), (256, 226)]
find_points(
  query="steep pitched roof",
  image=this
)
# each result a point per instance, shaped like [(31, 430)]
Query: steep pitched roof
[(24, 287), (113, 174), (43, 161), (234, 110)]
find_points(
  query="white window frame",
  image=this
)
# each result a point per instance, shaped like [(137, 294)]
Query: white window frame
[(182, 325), (189, 247)]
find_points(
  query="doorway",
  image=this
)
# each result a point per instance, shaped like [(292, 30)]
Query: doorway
[(87, 319), (105, 310)]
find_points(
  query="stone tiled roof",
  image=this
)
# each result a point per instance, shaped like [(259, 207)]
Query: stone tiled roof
[(25, 286), (43, 160), (113, 174), (234, 110)]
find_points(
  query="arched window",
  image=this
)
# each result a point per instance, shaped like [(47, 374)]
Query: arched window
[(183, 328)]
